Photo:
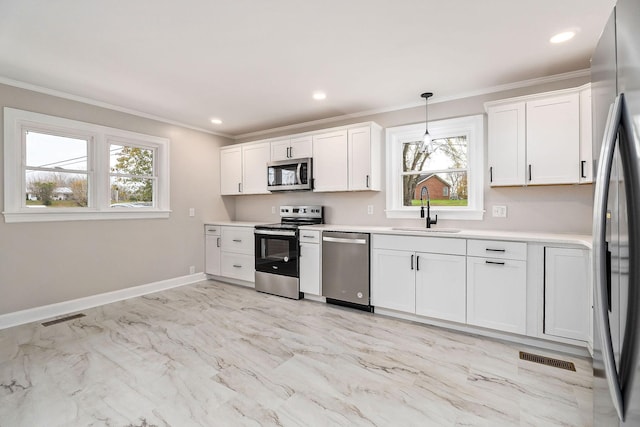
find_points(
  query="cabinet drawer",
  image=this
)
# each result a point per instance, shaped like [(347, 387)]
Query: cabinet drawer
[(238, 266), (309, 236), (497, 249), (238, 240), (438, 245), (212, 230)]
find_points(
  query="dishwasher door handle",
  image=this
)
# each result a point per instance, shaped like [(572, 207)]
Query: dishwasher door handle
[(342, 240)]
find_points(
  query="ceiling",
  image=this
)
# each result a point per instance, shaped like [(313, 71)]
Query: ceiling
[(255, 63)]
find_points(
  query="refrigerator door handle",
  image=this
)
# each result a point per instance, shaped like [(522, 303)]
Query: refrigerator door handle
[(599, 251)]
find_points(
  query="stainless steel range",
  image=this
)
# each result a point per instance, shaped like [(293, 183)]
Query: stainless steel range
[(278, 248)]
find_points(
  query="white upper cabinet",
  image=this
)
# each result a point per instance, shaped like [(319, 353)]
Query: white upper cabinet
[(586, 144), (330, 165), (346, 158), (553, 140), (243, 169), (507, 135), (364, 158), (292, 148), (254, 168), (541, 139), (231, 170)]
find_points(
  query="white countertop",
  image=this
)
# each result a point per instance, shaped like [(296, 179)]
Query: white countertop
[(520, 236)]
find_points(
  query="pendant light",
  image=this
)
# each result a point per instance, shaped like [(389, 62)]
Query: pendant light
[(426, 139)]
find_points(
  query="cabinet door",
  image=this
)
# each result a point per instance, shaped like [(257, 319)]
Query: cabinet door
[(566, 293), (310, 268), (231, 170), (393, 280), (212, 255), (301, 147), (360, 158), (586, 146), (330, 161), (254, 170), (553, 140), (441, 286), (506, 147), (280, 150), (496, 294)]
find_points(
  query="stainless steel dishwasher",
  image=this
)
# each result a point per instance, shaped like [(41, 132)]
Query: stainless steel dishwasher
[(345, 269)]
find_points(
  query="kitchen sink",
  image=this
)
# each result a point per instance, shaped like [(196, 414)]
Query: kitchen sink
[(427, 230)]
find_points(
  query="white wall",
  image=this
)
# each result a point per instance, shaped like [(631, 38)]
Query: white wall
[(45, 263), (561, 209)]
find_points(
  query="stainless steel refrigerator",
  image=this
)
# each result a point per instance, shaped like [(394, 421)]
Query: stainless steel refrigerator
[(615, 76)]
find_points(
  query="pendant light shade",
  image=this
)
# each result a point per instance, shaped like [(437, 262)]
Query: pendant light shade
[(426, 139)]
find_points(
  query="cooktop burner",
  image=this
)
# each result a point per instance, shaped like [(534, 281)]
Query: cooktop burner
[(293, 217)]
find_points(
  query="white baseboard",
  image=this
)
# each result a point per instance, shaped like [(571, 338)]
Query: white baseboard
[(61, 308)]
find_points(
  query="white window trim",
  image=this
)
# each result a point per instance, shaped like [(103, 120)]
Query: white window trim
[(100, 136), (473, 126)]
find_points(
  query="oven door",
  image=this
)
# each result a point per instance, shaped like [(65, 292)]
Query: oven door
[(277, 252)]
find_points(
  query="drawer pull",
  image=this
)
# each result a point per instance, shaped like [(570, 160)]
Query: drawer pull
[(237, 266), (495, 250), (212, 229), (218, 242), (308, 237), (494, 262), (237, 240)]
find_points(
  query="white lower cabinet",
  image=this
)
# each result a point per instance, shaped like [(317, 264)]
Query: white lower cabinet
[(310, 262), (229, 252), (567, 288), (441, 286), (419, 281), (497, 294), (212, 249), (393, 283), (497, 285)]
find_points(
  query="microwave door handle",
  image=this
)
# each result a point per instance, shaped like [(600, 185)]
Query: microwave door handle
[(600, 249), (298, 174)]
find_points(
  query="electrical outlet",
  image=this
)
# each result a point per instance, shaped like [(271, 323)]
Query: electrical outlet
[(273, 209), (499, 211), (192, 211), (192, 269), (370, 209)]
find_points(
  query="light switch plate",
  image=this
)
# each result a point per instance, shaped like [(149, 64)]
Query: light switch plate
[(192, 211), (370, 209)]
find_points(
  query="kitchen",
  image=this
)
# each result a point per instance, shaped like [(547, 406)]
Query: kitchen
[(52, 268)]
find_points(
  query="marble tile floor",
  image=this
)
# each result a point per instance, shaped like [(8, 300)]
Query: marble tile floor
[(212, 354)]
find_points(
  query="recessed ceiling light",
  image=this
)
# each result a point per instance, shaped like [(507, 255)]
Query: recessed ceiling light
[(562, 37), (319, 95), (216, 121)]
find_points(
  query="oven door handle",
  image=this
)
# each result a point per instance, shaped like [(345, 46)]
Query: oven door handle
[(283, 233)]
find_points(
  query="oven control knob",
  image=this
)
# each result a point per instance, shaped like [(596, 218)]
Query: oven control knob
[(286, 259), (359, 294)]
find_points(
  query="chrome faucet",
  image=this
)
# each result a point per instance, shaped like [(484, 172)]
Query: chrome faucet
[(429, 221)]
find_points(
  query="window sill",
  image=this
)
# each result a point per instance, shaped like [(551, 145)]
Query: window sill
[(473, 215), (11, 217)]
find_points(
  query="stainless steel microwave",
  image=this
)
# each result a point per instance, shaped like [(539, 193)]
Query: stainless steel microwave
[(290, 175)]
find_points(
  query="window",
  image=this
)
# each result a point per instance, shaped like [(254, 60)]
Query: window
[(58, 169), (449, 172)]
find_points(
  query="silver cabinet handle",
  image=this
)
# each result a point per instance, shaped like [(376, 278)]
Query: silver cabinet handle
[(367, 181), (495, 250), (239, 187), (237, 240), (237, 266), (529, 172), (491, 174), (218, 242), (599, 250), (308, 237), (412, 261), (417, 262), (494, 262), (213, 230)]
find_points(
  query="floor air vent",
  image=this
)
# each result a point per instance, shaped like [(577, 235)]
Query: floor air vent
[(556, 363), (63, 319)]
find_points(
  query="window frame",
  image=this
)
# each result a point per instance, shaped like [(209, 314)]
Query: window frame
[(473, 128), (16, 122)]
